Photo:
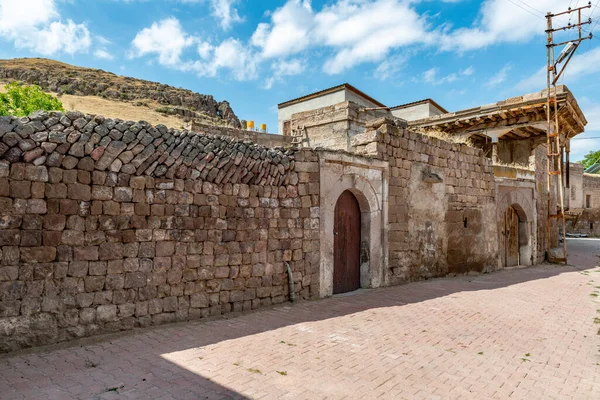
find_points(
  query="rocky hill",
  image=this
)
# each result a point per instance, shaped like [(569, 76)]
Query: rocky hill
[(68, 80)]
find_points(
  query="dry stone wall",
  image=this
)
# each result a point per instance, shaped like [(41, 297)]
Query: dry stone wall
[(441, 202), (108, 225)]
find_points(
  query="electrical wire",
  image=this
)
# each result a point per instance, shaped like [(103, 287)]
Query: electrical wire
[(524, 9)]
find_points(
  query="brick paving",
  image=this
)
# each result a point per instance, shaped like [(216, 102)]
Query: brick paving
[(523, 333)]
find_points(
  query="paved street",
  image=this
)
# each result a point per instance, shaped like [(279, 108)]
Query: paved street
[(521, 333)]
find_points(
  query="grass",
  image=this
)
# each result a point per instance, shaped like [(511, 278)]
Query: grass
[(114, 389), (597, 320), (254, 370), (284, 373), (480, 353)]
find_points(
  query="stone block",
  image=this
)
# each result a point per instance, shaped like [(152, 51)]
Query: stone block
[(85, 253), (135, 280), (20, 189), (78, 191), (110, 251), (94, 283), (199, 300), (78, 268), (155, 306), (106, 313), (38, 254)]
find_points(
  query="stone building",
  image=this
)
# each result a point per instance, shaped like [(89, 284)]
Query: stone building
[(108, 225), (583, 192)]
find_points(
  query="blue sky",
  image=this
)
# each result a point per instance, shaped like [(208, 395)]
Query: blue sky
[(256, 54)]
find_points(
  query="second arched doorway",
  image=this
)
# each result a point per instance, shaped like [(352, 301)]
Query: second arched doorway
[(346, 244)]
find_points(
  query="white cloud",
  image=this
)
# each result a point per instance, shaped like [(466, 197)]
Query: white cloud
[(164, 38), (225, 12), (468, 71), (499, 77), (582, 65), (283, 68), (391, 66), (35, 25), (288, 32), (230, 54), (167, 40), (431, 76), (502, 21), (357, 30), (103, 54)]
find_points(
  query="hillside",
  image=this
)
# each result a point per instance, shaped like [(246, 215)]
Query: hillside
[(96, 91)]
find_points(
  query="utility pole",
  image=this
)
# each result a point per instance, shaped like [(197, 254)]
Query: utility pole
[(555, 140)]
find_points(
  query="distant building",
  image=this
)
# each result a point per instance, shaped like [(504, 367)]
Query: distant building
[(418, 110), (323, 98)]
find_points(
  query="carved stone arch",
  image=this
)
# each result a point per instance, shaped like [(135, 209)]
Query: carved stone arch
[(365, 180), (523, 206)]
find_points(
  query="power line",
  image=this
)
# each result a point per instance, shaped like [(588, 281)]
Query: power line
[(524, 9)]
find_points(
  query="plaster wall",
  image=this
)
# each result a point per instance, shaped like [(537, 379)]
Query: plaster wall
[(574, 194), (416, 112), (285, 113)]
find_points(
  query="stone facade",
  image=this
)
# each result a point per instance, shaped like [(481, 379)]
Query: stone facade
[(108, 225), (441, 203)]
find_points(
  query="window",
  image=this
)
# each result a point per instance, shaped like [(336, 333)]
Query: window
[(588, 201)]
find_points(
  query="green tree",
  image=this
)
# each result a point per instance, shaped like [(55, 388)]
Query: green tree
[(591, 158), (21, 100)]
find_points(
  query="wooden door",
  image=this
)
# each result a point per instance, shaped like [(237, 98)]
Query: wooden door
[(346, 244), (511, 241)]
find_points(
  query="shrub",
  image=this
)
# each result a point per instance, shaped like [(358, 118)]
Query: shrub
[(21, 100)]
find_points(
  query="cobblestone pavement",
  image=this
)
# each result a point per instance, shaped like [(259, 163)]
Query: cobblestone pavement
[(522, 333)]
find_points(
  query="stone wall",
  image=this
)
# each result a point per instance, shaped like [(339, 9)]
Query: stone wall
[(442, 212), (108, 225)]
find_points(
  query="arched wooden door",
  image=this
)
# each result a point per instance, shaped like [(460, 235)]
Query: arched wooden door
[(511, 240), (346, 244)]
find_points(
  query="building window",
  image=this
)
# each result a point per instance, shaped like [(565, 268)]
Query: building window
[(588, 201)]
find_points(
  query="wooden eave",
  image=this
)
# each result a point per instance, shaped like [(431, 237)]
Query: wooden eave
[(523, 115)]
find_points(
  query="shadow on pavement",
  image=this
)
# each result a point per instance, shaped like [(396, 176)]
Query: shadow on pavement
[(133, 365)]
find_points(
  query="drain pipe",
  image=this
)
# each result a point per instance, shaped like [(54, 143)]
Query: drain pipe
[(291, 282)]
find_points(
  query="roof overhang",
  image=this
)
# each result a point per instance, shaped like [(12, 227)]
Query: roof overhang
[(522, 117), (416, 103), (334, 89)]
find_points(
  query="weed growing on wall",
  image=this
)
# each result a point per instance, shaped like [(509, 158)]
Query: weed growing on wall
[(21, 100)]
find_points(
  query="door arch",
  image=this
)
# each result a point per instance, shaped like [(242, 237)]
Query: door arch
[(346, 244)]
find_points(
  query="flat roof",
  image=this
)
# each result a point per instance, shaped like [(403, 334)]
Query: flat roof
[(343, 86), (416, 103)]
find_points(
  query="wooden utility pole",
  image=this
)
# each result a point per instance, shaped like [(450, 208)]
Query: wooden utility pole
[(555, 140)]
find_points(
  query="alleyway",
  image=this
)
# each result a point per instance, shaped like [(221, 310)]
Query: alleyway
[(522, 333)]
